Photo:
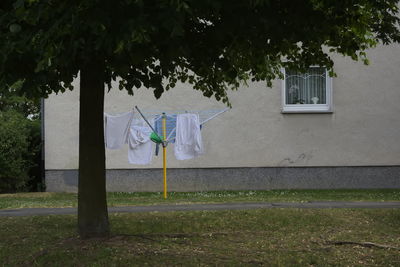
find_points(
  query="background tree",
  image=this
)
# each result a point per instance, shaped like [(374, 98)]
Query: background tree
[(12, 99), (14, 134), (214, 45), (20, 142)]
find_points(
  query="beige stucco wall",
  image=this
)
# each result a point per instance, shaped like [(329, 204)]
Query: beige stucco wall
[(363, 130)]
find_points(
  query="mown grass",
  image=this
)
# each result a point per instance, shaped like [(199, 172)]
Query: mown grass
[(273, 237), (36, 200)]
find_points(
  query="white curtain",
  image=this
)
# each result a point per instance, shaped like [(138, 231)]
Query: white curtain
[(306, 88)]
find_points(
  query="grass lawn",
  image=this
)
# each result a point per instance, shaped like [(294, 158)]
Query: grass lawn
[(277, 237), (36, 200)]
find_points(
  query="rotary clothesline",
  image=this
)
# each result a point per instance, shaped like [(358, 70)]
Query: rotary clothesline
[(204, 116), (179, 126)]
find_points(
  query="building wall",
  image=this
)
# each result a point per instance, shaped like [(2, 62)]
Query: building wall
[(363, 129)]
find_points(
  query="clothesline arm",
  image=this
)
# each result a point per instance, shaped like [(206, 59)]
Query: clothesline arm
[(170, 134), (215, 115), (148, 123)]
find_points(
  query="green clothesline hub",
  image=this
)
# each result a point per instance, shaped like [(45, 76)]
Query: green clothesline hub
[(155, 138)]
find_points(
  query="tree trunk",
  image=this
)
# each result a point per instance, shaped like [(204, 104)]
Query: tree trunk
[(92, 203)]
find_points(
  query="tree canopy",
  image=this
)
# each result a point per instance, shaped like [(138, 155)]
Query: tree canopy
[(213, 45)]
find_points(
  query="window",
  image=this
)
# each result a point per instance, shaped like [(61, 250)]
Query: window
[(307, 92)]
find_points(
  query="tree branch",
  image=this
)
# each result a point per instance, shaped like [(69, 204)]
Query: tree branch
[(363, 244)]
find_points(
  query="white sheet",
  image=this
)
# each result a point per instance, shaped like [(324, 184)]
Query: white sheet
[(140, 149), (116, 129), (188, 141)]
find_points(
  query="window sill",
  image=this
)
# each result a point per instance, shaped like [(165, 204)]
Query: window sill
[(306, 109)]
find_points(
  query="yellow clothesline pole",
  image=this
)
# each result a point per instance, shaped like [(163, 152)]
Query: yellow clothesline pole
[(164, 154)]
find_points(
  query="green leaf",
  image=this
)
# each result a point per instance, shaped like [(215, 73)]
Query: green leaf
[(18, 4), (15, 28)]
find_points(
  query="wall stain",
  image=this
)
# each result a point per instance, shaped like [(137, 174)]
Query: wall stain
[(302, 158)]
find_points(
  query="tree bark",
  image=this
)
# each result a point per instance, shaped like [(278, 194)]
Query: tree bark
[(92, 202)]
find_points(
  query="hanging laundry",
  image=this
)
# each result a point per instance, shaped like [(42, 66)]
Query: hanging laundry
[(170, 123), (188, 142), (116, 129), (140, 149)]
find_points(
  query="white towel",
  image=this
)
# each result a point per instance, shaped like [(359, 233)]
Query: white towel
[(188, 142), (116, 129), (140, 149)]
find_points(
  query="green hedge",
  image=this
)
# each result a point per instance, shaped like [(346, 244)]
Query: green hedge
[(19, 146)]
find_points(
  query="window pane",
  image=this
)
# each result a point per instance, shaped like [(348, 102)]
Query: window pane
[(306, 88)]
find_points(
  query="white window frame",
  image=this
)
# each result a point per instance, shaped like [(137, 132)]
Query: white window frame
[(308, 108)]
